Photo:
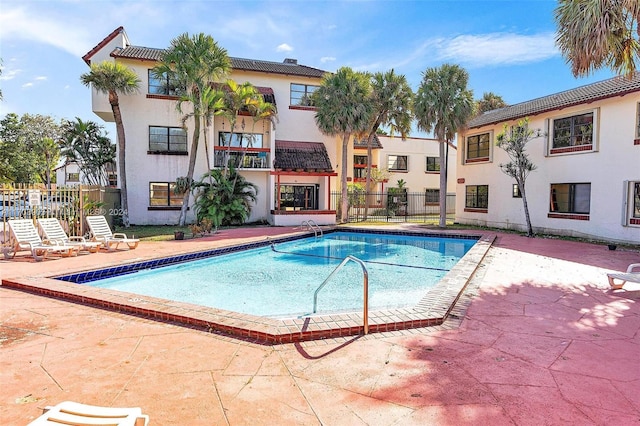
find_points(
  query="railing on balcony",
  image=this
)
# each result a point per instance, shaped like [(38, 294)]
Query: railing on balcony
[(249, 159)]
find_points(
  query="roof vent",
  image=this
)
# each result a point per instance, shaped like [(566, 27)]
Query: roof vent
[(291, 61)]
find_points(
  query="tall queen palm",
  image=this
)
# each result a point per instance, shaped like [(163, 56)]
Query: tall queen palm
[(392, 99), (193, 64), (112, 78), (343, 108), (443, 105)]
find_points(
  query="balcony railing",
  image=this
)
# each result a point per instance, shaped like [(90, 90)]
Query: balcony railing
[(240, 159)]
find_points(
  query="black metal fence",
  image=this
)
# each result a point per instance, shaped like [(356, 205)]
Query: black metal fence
[(394, 206)]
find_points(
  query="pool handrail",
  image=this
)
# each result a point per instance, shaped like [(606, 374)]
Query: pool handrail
[(365, 283), (313, 226)]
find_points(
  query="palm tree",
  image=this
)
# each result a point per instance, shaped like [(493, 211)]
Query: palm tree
[(489, 102), (193, 64), (596, 33), (224, 197), (443, 105), (262, 111), (113, 78), (212, 105), (391, 98), (238, 98), (343, 109), (85, 144)]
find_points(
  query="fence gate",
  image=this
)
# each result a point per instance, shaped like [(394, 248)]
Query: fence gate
[(394, 206)]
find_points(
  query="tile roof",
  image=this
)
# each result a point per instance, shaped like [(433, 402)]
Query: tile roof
[(363, 143), (307, 156), (266, 92), (288, 67), (617, 86), (103, 43)]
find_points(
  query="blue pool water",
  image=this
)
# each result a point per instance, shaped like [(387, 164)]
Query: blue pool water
[(280, 280)]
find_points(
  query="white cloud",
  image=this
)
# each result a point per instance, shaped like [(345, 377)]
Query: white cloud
[(41, 78), (284, 47), (326, 59), (19, 24), (497, 48), (27, 85), (9, 74)]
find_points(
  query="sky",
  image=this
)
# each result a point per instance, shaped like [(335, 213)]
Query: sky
[(507, 47)]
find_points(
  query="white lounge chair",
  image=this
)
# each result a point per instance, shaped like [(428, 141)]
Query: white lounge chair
[(24, 236), (53, 231), (624, 277), (74, 413), (100, 231)]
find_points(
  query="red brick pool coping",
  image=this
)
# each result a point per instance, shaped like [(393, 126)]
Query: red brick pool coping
[(432, 310)]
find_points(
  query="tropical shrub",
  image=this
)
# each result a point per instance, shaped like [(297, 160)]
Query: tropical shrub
[(224, 198)]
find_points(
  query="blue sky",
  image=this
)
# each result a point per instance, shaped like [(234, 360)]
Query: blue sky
[(507, 47)]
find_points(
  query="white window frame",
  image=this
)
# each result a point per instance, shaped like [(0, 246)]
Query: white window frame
[(428, 192), (477, 198), (170, 195), (571, 198), (631, 203), (172, 139), (305, 100), (426, 164), (397, 170), (575, 149), (478, 160), (638, 121), (515, 191)]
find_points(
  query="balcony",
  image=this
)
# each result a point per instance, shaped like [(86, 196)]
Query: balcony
[(254, 158)]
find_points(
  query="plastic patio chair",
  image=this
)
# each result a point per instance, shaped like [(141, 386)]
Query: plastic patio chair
[(74, 413), (624, 277), (25, 237), (100, 231), (52, 230)]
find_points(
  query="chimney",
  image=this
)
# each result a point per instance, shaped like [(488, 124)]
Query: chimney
[(291, 61)]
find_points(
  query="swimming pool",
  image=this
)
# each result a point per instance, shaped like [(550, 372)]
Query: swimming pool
[(280, 280), (439, 303)]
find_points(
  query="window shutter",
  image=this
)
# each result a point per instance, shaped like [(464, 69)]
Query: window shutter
[(625, 203), (547, 135)]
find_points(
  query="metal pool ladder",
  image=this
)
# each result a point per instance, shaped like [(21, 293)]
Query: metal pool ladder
[(365, 284), (313, 226)]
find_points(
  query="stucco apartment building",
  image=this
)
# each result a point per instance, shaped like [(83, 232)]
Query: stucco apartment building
[(587, 181), (294, 165), (292, 158), (70, 174), (414, 160)]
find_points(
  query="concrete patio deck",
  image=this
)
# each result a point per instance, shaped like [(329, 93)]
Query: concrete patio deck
[(538, 338)]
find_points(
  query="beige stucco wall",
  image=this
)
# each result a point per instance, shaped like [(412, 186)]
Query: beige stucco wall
[(616, 159), (417, 150), (62, 171), (100, 103)]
